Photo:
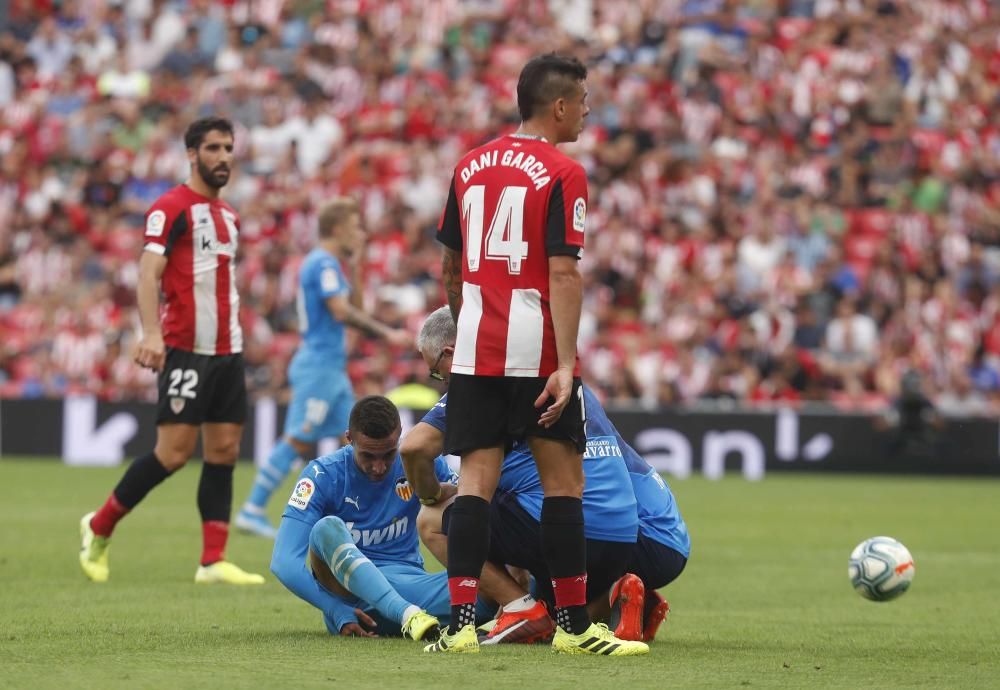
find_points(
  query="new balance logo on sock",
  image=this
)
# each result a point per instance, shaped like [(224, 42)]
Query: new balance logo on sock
[(468, 583)]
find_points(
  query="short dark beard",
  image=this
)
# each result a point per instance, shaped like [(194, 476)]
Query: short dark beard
[(208, 176)]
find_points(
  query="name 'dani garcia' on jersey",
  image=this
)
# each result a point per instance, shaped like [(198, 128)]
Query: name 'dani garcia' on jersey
[(370, 537), (534, 168)]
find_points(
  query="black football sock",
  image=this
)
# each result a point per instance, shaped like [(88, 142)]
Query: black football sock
[(139, 479), (468, 547), (215, 492), (565, 549), (215, 502)]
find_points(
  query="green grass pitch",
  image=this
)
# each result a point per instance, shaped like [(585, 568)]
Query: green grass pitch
[(765, 601)]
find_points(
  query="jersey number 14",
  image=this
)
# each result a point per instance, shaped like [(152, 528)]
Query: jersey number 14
[(505, 239)]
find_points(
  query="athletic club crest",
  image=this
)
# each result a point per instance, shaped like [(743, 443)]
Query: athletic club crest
[(403, 489), (176, 405)]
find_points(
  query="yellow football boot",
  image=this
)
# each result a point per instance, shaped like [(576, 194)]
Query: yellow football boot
[(93, 551), (597, 639)]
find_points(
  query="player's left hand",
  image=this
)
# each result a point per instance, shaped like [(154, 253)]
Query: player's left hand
[(355, 629), (559, 387)]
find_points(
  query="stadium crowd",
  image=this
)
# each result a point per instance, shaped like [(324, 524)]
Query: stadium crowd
[(790, 199)]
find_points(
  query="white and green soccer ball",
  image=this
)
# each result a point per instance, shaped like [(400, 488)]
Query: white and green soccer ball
[(880, 568)]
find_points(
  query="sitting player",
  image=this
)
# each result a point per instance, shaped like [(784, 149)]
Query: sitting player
[(656, 558), (354, 514)]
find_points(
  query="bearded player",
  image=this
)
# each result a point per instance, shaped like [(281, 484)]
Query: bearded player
[(189, 255)]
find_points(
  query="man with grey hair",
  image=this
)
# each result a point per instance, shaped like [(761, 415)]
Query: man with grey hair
[(637, 541), (436, 342)]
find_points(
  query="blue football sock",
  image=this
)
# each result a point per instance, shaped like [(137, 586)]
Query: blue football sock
[(272, 473), (331, 539)]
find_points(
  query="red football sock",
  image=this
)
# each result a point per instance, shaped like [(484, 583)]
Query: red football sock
[(463, 590), (104, 520), (570, 591), (214, 535)]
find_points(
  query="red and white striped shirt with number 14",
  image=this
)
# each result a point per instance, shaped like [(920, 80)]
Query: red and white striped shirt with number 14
[(513, 203)]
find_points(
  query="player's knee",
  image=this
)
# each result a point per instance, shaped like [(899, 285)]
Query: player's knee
[(223, 452), (327, 534), (564, 486), (477, 483), (172, 457)]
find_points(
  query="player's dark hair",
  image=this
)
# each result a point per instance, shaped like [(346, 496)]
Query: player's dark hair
[(374, 416), (197, 130), (546, 78)]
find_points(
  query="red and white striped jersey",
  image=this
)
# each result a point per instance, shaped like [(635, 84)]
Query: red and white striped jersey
[(514, 202), (198, 235)]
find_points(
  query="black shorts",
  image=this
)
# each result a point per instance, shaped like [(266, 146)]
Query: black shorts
[(656, 564), (489, 411), (516, 539), (194, 389)]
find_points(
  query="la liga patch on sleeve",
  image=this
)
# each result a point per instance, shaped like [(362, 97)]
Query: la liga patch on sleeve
[(328, 280), (155, 223), (302, 493), (579, 214)]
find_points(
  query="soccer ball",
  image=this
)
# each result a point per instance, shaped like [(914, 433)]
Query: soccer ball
[(880, 568)]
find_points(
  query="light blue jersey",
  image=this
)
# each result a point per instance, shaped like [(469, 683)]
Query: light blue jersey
[(320, 277), (381, 519), (659, 517), (609, 504), (322, 396), (382, 516)]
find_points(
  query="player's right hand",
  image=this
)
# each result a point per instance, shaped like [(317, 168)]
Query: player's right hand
[(150, 352), (355, 629), (559, 387)]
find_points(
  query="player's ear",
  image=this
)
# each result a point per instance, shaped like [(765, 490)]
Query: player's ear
[(559, 109), (347, 435)]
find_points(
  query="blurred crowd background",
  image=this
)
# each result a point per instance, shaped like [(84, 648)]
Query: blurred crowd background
[(791, 200)]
